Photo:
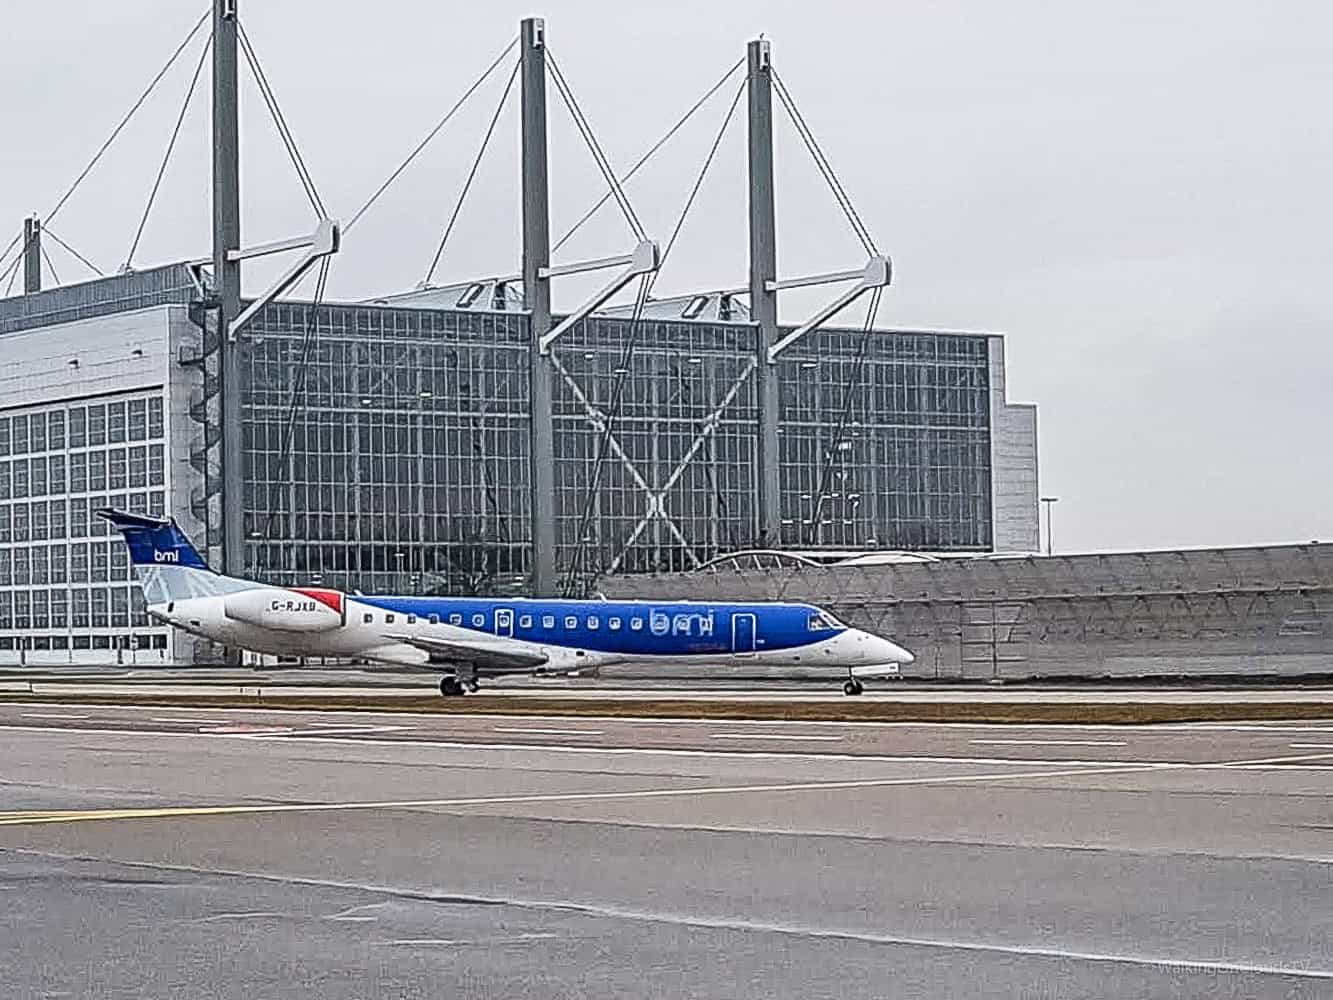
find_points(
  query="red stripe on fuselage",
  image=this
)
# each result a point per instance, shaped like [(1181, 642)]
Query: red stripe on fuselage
[(330, 598)]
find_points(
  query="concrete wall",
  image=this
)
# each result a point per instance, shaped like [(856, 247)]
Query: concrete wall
[(1013, 463), (1263, 610)]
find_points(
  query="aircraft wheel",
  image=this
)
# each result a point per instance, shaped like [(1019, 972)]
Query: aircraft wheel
[(450, 687), (471, 685), (852, 687)]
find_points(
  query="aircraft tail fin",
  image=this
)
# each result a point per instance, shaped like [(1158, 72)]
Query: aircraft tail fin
[(166, 562)]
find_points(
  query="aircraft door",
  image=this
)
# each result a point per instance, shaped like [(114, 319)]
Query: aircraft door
[(504, 622), (742, 634)]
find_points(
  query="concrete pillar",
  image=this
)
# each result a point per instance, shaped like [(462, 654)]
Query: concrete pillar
[(764, 303), (227, 276), (537, 300), (32, 256)]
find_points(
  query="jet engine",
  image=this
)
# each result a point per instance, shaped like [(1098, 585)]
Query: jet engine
[(282, 611)]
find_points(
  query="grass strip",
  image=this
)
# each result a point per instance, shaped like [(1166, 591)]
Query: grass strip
[(1054, 713)]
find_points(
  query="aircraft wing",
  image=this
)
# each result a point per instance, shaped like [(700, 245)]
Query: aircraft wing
[(483, 656)]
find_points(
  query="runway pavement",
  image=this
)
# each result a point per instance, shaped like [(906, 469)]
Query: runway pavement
[(825, 688), (239, 853)]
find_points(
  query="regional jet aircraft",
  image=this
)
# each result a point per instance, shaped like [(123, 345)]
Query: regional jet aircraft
[(469, 638)]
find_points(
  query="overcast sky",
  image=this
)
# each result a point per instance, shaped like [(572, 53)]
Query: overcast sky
[(1136, 194)]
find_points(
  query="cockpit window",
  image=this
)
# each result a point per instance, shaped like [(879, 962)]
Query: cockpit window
[(821, 621)]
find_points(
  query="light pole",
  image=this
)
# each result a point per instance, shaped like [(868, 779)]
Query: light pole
[(1048, 501)]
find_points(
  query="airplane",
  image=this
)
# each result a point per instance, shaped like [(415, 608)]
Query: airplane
[(467, 638)]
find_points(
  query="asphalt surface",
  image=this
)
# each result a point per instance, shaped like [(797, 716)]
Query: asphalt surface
[(240, 854), (708, 686)]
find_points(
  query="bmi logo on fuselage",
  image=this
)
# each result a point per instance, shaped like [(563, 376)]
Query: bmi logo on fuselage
[(166, 557)]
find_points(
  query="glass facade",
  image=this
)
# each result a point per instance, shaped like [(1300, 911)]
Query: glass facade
[(398, 460), (886, 442), (65, 581), (404, 464)]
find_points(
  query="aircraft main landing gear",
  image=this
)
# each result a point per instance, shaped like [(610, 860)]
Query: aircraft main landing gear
[(852, 687), (451, 687)]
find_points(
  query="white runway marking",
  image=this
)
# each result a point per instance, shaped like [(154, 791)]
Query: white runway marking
[(240, 732), (30, 818), (197, 722), (49, 715), (1277, 727), (956, 944), (784, 737), (548, 732), (1182, 963), (1052, 743), (483, 942), (1311, 746)]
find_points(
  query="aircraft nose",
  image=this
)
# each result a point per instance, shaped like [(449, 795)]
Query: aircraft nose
[(901, 655), (881, 650)]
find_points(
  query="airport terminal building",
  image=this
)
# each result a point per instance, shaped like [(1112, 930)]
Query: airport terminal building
[(386, 447)]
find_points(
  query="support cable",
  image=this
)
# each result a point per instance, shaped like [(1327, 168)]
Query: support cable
[(645, 288), (125, 121), (74, 253), (822, 162), (11, 274), (825, 167), (651, 151), (698, 181), (604, 441), (120, 127), (50, 265), (430, 135), (589, 138), (171, 145), (848, 397), (467, 184), (280, 121), (12, 244), (298, 389)]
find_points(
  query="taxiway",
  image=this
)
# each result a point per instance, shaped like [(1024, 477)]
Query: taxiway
[(242, 853)]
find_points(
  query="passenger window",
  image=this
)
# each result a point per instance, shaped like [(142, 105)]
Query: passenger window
[(525, 621), (548, 621), (593, 622), (455, 619), (636, 624), (367, 618), (411, 619), (571, 622), (435, 619), (613, 624), (478, 620), (388, 619)]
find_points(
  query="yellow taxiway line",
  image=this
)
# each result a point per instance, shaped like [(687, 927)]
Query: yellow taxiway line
[(38, 817)]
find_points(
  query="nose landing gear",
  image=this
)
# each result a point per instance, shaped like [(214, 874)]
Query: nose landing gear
[(852, 687)]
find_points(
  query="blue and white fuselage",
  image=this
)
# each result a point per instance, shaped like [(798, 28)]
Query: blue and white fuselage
[(470, 637)]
